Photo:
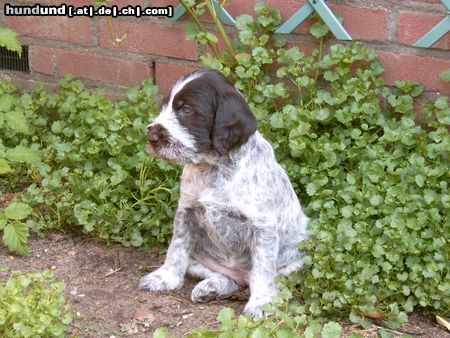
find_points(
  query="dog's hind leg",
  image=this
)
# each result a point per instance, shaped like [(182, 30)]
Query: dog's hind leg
[(289, 261), (290, 268), (213, 286), (198, 270)]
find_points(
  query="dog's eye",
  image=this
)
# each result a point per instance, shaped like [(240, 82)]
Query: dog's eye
[(186, 110)]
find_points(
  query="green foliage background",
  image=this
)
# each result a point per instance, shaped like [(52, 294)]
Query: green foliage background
[(372, 176), (371, 173), (33, 305), (90, 164)]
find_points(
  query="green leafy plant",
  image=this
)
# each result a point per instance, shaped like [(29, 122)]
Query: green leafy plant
[(372, 174), (286, 320), (17, 159), (95, 171), (374, 181), (15, 154), (8, 39), (15, 232), (33, 305), (445, 76), (197, 31)]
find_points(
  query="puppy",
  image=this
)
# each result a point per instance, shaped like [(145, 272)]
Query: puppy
[(239, 221)]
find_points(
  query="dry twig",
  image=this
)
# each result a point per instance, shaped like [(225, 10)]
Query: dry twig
[(443, 321), (112, 272)]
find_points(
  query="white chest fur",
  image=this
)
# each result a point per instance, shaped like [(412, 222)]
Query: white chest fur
[(194, 181)]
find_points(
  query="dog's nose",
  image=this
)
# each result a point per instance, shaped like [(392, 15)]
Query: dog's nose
[(154, 134)]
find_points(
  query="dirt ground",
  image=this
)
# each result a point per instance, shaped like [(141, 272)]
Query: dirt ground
[(101, 283)]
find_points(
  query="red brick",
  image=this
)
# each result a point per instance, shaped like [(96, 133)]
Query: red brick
[(114, 95), (422, 69), (221, 47), (149, 39), (77, 3), (30, 84), (42, 60), (167, 74), (103, 68), (414, 26), (234, 8), (369, 24), (164, 3), (118, 3), (303, 47), (74, 30), (287, 9), (43, 2), (360, 22), (121, 3), (239, 7)]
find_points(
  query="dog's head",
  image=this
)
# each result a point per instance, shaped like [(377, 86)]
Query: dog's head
[(204, 116)]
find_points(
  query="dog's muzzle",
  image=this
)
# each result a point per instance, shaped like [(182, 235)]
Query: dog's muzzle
[(155, 135)]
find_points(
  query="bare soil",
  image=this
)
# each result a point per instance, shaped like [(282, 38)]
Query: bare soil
[(101, 283)]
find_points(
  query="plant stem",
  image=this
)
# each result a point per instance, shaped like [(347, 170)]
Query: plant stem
[(319, 57), (220, 28), (196, 20)]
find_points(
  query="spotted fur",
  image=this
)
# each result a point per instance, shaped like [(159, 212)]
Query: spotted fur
[(239, 221)]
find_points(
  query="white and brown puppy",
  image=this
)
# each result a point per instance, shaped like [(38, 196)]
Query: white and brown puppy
[(239, 221)]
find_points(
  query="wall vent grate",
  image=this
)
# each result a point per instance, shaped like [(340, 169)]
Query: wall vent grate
[(13, 61)]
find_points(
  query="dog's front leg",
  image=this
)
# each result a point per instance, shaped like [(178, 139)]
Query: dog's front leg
[(170, 275), (264, 266)]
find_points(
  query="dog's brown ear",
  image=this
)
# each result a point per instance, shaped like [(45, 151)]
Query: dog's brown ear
[(234, 122)]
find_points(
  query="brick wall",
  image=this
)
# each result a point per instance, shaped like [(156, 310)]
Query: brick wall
[(157, 48)]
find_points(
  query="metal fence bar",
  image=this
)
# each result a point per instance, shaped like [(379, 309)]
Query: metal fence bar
[(323, 11), (330, 19), (433, 36), (289, 26), (224, 16), (178, 13), (438, 31), (296, 20)]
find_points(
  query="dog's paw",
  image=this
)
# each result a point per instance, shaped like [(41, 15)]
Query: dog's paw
[(204, 291), (254, 310), (161, 279), (256, 304)]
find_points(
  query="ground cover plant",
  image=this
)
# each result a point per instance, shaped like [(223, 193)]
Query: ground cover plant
[(15, 233), (32, 305), (371, 173), (89, 162), (74, 158)]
